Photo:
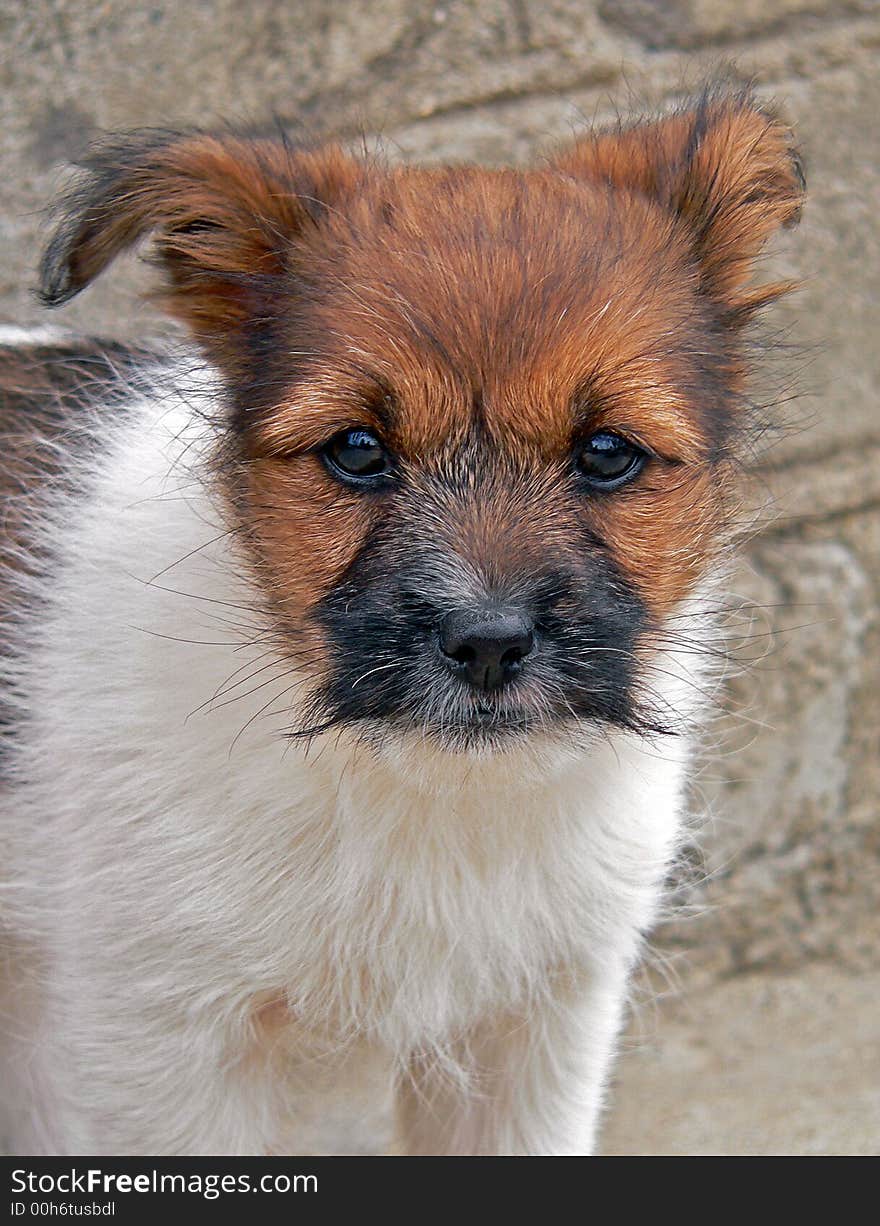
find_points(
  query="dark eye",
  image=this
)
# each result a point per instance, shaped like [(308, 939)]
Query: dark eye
[(607, 460), (357, 455)]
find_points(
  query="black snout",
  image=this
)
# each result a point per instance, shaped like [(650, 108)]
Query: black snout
[(486, 649)]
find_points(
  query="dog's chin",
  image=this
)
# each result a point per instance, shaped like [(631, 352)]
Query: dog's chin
[(483, 733), (477, 725), (438, 753)]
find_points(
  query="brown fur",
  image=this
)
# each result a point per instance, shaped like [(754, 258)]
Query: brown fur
[(603, 291)]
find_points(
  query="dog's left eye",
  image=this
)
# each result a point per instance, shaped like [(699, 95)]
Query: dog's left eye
[(607, 460), (357, 455)]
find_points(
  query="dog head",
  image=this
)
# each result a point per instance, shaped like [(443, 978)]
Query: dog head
[(482, 418)]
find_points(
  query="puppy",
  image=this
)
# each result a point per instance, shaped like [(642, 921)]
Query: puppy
[(355, 651)]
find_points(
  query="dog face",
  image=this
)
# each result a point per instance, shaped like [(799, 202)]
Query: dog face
[(505, 481), (481, 419)]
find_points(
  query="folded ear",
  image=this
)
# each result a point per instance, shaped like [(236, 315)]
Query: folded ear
[(225, 211), (726, 169)]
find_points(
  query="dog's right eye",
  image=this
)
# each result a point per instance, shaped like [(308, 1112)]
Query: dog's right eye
[(356, 455)]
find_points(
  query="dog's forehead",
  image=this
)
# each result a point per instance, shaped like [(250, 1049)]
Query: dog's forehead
[(509, 300), (492, 268)]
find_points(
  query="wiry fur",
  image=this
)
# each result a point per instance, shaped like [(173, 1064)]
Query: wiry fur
[(211, 922)]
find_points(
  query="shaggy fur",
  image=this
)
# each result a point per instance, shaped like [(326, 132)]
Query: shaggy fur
[(259, 832)]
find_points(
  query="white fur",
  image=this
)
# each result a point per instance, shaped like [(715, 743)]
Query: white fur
[(15, 334), (466, 924)]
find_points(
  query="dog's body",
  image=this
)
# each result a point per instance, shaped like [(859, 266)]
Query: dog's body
[(241, 868)]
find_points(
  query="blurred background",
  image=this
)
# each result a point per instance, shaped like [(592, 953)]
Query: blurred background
[(757, 1025)]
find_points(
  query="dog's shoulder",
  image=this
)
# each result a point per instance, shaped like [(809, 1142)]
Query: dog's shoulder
[(56, 389), (47, 377)]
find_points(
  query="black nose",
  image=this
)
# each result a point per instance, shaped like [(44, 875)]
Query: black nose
[(487, 648)]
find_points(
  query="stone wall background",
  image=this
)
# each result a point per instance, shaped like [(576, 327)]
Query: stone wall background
[(792, 845)]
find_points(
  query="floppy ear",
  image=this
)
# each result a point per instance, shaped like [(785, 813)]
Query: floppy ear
[(225, 211), (726, 169)]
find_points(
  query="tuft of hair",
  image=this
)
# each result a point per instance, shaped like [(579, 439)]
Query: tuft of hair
[(225, 210), (726, 167)]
